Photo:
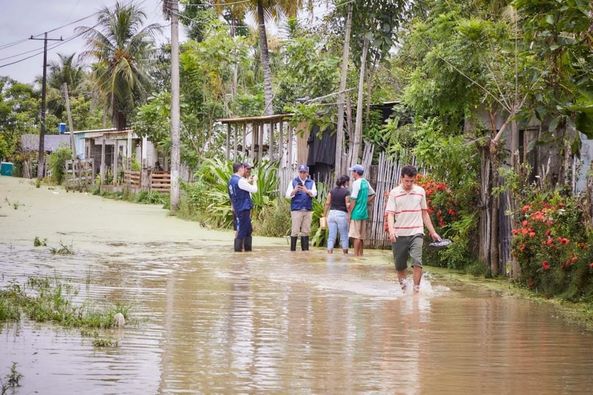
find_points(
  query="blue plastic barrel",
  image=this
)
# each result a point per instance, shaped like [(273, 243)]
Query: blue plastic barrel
[(62, 128), (6, 168)]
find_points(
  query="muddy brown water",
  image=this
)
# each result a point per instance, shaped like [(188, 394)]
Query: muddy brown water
[(213, 321)]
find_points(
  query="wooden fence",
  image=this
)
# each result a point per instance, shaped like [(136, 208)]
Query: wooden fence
[(155, 181)]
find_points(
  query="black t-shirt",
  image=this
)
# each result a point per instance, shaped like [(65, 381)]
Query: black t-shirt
[(338, 199)]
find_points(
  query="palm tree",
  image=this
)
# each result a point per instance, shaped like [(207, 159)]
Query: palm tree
[(263, 9), (122, 48), (66, 70)]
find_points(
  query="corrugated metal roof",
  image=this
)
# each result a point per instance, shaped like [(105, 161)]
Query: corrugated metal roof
[(51, 142)]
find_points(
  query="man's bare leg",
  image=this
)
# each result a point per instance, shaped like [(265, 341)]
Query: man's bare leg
[(417, 278), (401, 277)]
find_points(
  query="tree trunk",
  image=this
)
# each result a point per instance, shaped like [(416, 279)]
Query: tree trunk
[(339, 162), (175, 111), (485, 219), (357, 143), (265, 60)]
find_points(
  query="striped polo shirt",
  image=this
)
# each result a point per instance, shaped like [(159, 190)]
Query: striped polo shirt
[(407, 207)]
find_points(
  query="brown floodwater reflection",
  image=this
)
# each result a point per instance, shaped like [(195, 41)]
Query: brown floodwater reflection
[(212, 321)]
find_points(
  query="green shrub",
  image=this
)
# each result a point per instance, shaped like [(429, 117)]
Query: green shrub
[(57, 163), (274, 221), (151, 197)]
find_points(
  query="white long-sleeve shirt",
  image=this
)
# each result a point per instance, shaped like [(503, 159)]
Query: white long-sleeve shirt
[(246, 186), (289, 195)]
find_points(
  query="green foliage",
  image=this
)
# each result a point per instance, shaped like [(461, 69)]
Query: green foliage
[(44, 299), (121, 47), (57, 163), (19, 107), (11, 380), (274, 221), (151, 197), (37, 242)]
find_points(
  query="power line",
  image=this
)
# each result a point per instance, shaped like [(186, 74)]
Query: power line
[(12, 44)]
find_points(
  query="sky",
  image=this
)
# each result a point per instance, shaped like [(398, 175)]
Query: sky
[(19, 19)]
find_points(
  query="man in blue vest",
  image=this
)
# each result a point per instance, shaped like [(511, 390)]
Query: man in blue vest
[(301, 191), (240, 191)]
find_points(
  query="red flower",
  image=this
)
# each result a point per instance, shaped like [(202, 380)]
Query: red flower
[(532, 234), (563, 240), (549, 242), (524, 223), (452, 212), (545, 265), (522, 247), (525, 208)]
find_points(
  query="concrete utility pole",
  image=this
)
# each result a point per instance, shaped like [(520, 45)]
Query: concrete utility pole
[(172, 9), (41, 160)]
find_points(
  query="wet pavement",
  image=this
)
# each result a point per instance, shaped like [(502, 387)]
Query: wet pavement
[(212, 321)]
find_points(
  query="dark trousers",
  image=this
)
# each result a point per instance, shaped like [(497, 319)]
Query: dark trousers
[(243, 221)]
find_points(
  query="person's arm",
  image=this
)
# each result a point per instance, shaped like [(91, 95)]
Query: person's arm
[(427, 221), (290, 191), (391, 225), (327, 204), (246, 186)]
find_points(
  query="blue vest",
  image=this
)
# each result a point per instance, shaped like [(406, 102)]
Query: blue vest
[(240, 199), (302, 201)]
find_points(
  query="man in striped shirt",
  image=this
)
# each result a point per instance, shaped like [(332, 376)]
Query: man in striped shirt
[(407, 215)]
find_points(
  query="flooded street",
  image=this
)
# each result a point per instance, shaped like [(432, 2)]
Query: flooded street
[(208, 320)]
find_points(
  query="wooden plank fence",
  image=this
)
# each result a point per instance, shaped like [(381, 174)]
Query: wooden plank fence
[(158, 181)]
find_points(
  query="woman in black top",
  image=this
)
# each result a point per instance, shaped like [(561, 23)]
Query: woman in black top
[(338, 217)]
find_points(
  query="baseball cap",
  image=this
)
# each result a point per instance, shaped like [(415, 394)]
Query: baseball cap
[(247, 166), (303, 168), (357, 168)]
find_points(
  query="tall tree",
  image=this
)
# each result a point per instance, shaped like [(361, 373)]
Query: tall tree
[(122, 47), (263, 9)]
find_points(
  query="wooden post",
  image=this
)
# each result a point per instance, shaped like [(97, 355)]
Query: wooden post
[(253, 141), (235, 153), (289, 161), (244, 139), (271, 150), (260, 140), (228, 141), (129, 150), (115, 158), (280, 144), (102, 167)]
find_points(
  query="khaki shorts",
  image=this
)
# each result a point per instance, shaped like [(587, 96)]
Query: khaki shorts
[(301, 222), (358, 229), (406, 247)]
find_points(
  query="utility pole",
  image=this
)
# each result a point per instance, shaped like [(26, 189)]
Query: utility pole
[(171, 8), (41, 160)]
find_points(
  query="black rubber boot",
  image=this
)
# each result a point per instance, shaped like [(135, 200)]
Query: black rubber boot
[(305, 243), (238, 245), (293, 243), (247, 243)]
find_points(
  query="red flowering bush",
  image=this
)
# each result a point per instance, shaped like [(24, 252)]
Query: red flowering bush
[(453, 217), (554, 248), (440, 201)]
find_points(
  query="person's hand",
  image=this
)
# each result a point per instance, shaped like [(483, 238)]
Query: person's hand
[(392, 236), (254, 178), (435, 236)]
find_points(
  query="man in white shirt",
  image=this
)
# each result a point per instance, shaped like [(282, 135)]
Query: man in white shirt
[(301, 191), (407, 215), (240, 190)]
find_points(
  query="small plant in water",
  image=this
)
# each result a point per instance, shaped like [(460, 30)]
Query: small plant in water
[(39, 242), (12, 380), (104, 342), (63, 250)]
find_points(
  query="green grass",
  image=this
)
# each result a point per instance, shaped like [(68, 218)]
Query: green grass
[(37, 242), (43, 299)]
